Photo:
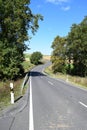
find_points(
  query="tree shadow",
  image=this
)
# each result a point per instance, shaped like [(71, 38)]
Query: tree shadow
[(36, 73)]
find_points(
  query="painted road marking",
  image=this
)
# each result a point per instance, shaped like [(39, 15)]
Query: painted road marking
[(83, 104), (50, 83), (31, 121)]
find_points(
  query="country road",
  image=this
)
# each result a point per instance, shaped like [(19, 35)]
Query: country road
[(52, 104)]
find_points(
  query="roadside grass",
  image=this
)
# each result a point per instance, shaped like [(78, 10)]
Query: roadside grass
[(76, 80), (5, 92), (5, 87), (27, 66), (27, 56)]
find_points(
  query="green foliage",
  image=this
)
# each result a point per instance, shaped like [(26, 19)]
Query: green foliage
[(70, 53), (36, 57), (58, 55), (77, 47), (16, 18)]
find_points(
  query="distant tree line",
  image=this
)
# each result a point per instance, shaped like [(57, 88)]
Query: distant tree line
[(16, 18), (70, 53)]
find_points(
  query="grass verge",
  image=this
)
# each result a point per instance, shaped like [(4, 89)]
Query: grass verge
[(5, 87), (76, 80)]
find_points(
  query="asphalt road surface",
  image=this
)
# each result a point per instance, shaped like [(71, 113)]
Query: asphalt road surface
[(51, 104)]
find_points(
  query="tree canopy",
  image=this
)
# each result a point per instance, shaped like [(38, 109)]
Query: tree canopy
[(36, 57), (16, 18), (58, 54), (72, 50)]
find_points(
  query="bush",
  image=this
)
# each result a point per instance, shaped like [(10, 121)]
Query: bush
[(36, 57)]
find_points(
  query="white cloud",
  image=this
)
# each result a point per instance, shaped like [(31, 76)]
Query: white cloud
[(62, 4), (66, 8), (57, 1)]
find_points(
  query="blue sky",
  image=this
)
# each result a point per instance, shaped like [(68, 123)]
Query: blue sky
[(59, 15)]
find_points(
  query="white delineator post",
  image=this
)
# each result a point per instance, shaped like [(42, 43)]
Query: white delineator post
[(12, 93)]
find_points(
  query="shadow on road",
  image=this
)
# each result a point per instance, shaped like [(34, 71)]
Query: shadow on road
[(18, 99), (36, 73)]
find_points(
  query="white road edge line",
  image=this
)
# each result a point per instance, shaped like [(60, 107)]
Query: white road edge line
[(50, 83), (83, 104), (31, 121)]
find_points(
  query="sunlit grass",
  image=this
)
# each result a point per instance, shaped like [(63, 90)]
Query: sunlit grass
[(80, 81)]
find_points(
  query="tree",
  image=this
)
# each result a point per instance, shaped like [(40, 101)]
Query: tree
[(58, 54), (77, 47), (16, 18), (70, 54), (36, 57)]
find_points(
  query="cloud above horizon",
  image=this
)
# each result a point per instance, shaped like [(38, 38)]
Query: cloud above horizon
[(57, 1), (62, 3), (66, 8)]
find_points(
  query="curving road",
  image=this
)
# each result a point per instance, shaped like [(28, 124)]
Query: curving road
[(52, 104), (57, 105)]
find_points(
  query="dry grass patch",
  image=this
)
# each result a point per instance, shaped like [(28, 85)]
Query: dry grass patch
[(46, 57)]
